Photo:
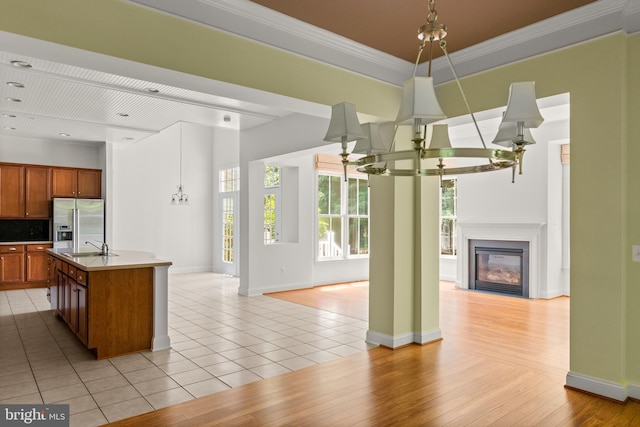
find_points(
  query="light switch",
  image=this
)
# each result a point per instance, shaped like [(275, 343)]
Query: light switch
[(635, 253)]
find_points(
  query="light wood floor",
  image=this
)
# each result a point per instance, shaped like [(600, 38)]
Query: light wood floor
[(502, 362)]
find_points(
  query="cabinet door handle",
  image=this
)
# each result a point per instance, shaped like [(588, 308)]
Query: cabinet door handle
[(13, 249), (39, 248)]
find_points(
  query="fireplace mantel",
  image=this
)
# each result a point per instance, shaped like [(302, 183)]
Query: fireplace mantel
[(525, 232)]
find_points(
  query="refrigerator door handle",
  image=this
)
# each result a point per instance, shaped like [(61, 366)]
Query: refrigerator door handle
[(76, 227)]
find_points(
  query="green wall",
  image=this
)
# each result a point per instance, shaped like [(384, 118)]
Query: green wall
[(601, 77), (125, 30), (633, 208), (595, 75)]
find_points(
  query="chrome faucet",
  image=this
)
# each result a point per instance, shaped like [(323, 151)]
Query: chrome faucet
[(104, 250)]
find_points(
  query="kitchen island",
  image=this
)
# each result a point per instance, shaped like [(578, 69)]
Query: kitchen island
[(115, 304)]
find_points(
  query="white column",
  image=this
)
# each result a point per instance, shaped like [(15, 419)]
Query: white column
[(160, 340)]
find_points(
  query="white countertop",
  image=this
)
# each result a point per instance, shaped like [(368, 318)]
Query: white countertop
[(117, 260)]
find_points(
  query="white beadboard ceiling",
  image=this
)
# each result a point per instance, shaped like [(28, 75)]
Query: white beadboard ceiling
[(61, 101)]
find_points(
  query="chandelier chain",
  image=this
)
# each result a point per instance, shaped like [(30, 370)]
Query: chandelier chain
[(433, 14), (443, 46)]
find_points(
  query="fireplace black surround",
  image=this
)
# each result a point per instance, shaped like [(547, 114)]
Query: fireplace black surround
[(499, 266)]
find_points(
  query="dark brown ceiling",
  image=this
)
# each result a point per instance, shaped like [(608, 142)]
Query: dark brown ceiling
[(391, 26)]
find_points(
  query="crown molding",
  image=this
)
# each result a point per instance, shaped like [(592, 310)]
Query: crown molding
[(588, 22), (255, 22), (258, 23)]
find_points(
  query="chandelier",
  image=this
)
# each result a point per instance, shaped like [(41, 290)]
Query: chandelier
[(180, 198), (421, 110)]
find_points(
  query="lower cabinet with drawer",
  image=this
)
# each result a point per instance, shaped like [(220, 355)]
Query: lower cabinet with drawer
[(11, 266), (24, 266), (110, 311), (72, 298)]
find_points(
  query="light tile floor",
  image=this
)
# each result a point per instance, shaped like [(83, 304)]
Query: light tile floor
[(218, 338)]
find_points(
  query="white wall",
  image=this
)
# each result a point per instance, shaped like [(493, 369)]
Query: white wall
[(537, 196), (51, 152), (144, 177), (290, 141)]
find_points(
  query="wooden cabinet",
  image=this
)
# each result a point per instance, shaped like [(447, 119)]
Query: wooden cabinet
[(37, 263), (24, 266), (110, 311), (73, 298), (11, 191), (78, 183), (11, 263), (26, 190), (80, 313), (89, 183), (37, 192)]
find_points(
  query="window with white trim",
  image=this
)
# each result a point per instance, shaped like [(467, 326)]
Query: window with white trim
[(271, 205), (228, 186), (343, 216), (448, 215)]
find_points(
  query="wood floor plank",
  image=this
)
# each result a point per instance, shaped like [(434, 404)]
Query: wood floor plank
[(502, 362)]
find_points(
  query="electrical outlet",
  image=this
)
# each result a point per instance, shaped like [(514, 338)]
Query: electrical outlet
[(635, 253)]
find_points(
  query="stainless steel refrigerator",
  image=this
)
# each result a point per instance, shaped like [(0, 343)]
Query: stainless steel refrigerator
[(77, 221)]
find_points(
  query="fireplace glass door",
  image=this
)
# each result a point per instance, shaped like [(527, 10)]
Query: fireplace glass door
[(499, 267)]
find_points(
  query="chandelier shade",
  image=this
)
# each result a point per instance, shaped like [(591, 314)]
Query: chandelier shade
[(419, 103), (508, 135), (379, 138), (344, 125), (439, 136), (522, 106)]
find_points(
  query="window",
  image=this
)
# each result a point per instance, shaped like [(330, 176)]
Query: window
[(229, 185), (448, 211), (343, 216), (229, 180), (271, 205)]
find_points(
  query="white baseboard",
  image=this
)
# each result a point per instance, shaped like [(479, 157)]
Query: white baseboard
[(597, 386), (160, 343), (633, 390), (265, 290), (378, 338)]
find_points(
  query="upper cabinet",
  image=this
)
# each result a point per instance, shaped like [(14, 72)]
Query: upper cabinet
[(77, 183), (89, 183), (11, 191), (26, 190), (37, 194)]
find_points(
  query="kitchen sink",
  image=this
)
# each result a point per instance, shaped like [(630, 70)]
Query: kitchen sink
[(86, 254)]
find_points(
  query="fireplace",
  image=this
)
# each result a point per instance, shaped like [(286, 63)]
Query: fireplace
[(499, 266)]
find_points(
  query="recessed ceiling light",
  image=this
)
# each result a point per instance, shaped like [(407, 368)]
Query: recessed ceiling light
[(14, 99), (127, 138), (152, 90), (21, 64), (15, 84), (64, 134), (9, 128), (123, 114), (11, 116)]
